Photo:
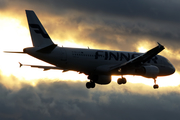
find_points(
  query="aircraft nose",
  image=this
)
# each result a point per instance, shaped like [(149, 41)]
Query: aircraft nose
[(172, 69)]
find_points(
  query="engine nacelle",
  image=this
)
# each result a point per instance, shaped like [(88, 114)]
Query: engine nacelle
[(150, 71), (101, 79)]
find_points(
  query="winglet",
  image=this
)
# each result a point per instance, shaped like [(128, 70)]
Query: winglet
[(160, 46)]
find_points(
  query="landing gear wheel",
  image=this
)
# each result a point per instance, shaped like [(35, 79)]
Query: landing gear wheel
[(124, 80), (121, 80), (90, 85), (156, 86)]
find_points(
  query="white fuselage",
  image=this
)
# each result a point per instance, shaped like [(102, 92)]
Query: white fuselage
[(87, 60)]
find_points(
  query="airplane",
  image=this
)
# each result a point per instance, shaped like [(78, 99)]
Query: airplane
[(97, 64)]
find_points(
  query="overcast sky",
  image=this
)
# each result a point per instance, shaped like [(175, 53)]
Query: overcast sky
[(116, 24)]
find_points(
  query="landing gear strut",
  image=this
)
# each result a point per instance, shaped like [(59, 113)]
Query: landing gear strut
[(90, 84), (121, 80), (155, 86)]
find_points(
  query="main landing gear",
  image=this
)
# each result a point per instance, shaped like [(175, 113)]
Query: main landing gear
[(155, 86), (90, 84), (121, 80)]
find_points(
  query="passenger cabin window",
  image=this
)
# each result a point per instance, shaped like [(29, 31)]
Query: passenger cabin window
[(74, 53)]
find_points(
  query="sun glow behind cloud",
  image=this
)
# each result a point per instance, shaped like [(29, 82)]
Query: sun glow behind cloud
[(15, 37), (142, 49)]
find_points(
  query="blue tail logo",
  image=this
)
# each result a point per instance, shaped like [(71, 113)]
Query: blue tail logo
[(39, 30)]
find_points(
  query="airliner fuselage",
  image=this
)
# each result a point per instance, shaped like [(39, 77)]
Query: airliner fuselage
[(99, 65), (88, 60)]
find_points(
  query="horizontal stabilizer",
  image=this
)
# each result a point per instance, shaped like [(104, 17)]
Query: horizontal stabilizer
[(43, 67), (13, 52)]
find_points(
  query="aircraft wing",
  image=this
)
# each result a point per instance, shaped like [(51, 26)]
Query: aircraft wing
[(141, 59), (43, 67)]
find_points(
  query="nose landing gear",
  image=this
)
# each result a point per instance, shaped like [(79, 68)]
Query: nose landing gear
[(155, 86)]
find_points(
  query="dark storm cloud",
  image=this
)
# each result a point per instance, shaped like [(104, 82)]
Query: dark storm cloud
[(54, 99), (112, 24), (151, 9), (116, 33), (3, 4), (115, 21)]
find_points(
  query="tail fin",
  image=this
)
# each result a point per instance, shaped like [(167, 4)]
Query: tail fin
[(39, 36)]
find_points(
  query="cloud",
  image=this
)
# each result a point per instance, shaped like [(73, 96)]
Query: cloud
[(119, 25), (150, 9), (3, 4), (114, 25), (55, 99)]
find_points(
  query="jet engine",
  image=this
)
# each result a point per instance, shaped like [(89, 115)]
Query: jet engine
[(150, 71), (100, 79)]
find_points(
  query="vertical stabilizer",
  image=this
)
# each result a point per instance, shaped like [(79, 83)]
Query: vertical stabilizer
[(39, 36)]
